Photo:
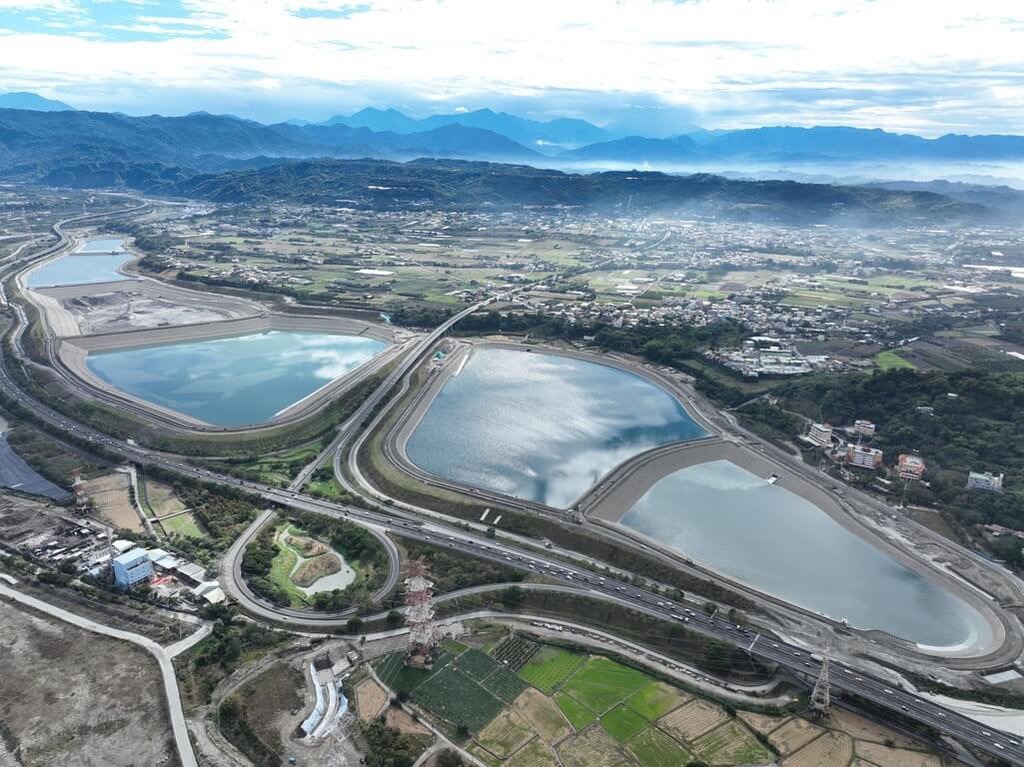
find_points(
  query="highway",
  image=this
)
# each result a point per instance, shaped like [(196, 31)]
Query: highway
[(355, 421), (795, 659)]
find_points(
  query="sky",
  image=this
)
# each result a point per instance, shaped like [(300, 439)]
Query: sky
[(653, 66)]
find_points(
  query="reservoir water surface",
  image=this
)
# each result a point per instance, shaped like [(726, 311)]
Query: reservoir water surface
[(234, 381), (775, 541), (93, 261), (542, 427)]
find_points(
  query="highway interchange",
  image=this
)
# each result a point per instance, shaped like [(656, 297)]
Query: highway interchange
[(796, 660)]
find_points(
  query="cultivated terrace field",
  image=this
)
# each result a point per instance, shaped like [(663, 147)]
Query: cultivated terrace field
[(520, 703)]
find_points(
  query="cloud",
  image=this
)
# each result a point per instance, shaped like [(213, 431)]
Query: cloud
[(929, 67)]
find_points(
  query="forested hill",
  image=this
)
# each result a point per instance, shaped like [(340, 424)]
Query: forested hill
[(981, 428), (382, 185)]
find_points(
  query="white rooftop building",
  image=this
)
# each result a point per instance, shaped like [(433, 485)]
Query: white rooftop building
[(977, 480)]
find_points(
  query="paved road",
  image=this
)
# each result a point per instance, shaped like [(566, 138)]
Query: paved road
[(163, 655), (794, 659), (355, 421)]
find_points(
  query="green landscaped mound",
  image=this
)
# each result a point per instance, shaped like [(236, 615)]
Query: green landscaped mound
[(295, 554)]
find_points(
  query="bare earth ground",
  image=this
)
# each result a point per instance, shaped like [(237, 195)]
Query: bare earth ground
[(370, 699), (75, 699), (401, 721), (160, 626), (162, 499), (312, 570), (110, 494)]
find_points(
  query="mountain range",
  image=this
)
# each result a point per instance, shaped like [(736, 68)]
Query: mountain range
[(34, 128), (549, 136), (467, 185), (33, 101)]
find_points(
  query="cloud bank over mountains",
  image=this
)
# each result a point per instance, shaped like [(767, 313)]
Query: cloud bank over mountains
[(644, 66)]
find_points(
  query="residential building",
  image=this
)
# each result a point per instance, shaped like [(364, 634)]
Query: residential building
[(864, 457), (910, 467), (977, 480), (864, 428), (820, 434), (131, 568)]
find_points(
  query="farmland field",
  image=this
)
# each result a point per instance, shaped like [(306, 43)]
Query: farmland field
[(762, 723), (884, 756), (542, 715), (888, 360), (732, 743), (515, 651), (622, 723), (456, 697), (579, 716), (399, 677), (550, 667), (653, 748), (505, 734), (654, 700), (793, 735), (536, 753), (504, 684), (593, 748), (602, 683), (833, 749), (477, 664), (693, 720)]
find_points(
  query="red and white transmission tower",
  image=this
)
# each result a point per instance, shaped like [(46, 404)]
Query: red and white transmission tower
[(81, 494), (419, 597)]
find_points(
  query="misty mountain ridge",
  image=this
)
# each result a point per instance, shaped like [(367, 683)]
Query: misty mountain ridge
[(54, 138), (374, 184), (558, 133), (503, 136), (32, 101)]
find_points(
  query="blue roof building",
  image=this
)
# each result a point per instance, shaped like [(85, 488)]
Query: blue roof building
[(131, 567)]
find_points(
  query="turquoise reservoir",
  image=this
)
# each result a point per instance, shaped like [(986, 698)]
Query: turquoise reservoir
[(234, 381), (775, 541), (94, 261), (542, 427)]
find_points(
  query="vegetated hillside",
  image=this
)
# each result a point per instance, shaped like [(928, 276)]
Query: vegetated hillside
[(561, 132), (788, 144), (41, 142), (448, 183), (980, 429)]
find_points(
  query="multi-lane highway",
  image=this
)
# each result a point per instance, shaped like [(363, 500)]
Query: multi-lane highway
[(404, 366), (795, 659)]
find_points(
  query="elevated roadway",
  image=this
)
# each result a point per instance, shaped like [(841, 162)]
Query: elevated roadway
[(794, 659)]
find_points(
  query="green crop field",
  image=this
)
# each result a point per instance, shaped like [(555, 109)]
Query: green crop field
[(654, 700), (602, 683), (579, 716), (477, 664), (550, 667), (622, 723), (888, 360), (456, 697), (504, 684), (653, 748)]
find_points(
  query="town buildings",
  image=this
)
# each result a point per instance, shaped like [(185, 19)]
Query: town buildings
[(132, 567), (910, 468), (820, 434), (863, 456), (985, 481)]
